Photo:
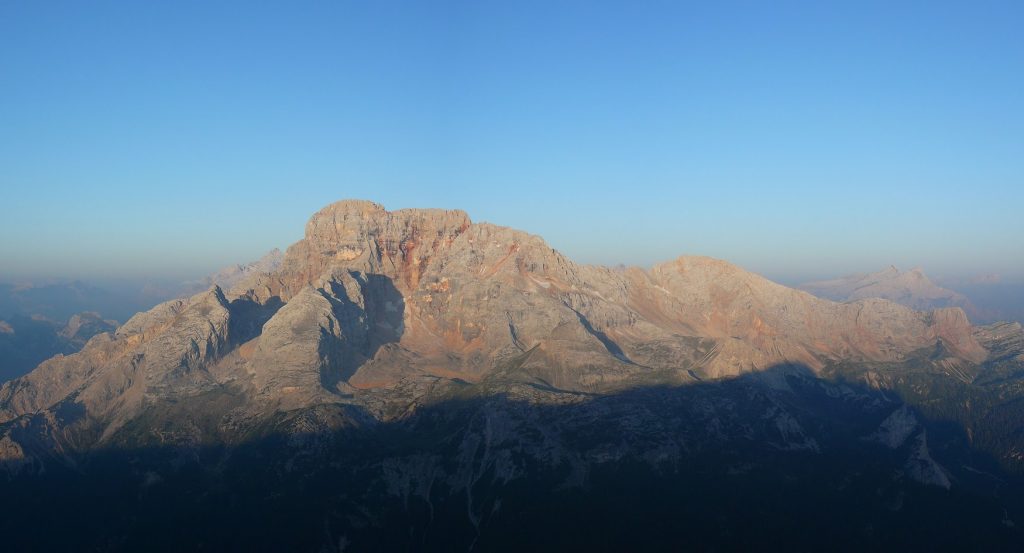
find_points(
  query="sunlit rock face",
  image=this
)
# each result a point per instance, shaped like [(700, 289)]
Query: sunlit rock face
[(372, 301)]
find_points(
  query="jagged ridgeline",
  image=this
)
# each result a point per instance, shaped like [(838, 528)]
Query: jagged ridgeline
[(414, 380)]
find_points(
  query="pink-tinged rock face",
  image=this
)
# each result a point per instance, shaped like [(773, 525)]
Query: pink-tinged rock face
[(476, 295), (371, 300), (359, 235)]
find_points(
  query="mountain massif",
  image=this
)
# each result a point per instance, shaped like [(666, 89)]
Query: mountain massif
[(414, 380)]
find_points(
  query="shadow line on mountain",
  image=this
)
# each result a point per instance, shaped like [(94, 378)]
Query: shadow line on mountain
[(248, 317), (384, 311), (613, 348)]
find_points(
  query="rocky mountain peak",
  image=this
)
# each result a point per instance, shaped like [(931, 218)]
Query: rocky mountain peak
[(345, 227), (380, 310), (362, 235)]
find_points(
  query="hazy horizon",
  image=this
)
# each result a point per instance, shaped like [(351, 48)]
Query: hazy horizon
[(795, 141), (167, 273), (93, 266)]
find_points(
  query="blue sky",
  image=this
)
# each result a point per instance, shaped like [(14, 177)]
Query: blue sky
[(795, 139)]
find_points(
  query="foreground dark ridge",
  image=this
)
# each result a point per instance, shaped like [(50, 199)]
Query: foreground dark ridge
[(776, 460), (375, 316)]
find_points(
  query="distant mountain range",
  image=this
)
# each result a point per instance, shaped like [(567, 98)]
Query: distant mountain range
[(58, 300), (412, 380), (27, 341), (985, 299), (231, 275), (41, 319), (911, 288)]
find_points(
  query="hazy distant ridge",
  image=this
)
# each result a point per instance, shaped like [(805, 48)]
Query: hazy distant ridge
[(910, 288)]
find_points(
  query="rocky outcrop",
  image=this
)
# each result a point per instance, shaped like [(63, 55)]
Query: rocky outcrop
[(157, 357), (83, 326), (311, 345), (364, 236)]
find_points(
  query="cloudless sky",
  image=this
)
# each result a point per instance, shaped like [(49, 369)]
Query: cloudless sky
[(798, 139)]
